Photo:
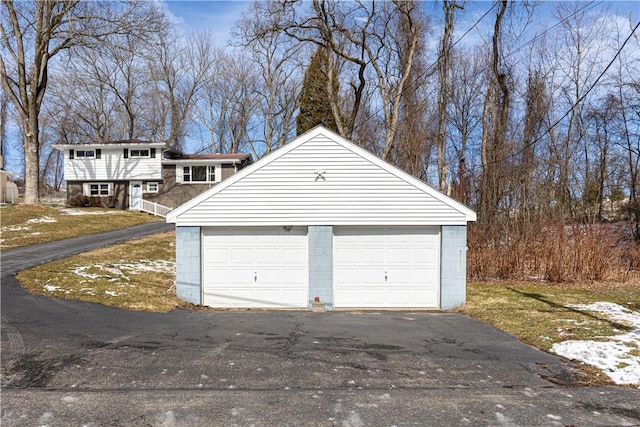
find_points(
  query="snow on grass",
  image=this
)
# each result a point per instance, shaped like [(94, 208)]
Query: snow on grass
[(121, 268), (41, 220), (78, 212), (15, 228), (111, 270), (619, 355)]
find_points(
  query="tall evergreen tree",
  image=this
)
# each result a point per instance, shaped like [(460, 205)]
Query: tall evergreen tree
[(314, 97)]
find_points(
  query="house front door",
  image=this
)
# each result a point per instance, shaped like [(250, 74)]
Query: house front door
[(135, 194)]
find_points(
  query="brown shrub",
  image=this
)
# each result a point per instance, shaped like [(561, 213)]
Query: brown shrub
[(553, 252)]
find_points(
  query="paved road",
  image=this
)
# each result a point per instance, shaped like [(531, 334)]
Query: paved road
[(72, 363), (14, 260)]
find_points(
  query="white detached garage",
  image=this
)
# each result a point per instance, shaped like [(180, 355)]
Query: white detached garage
[(321, 217)]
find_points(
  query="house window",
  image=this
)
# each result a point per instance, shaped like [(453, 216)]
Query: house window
[(139, 153), (85, 154), (98, 189), (198, 174), (152, 187)]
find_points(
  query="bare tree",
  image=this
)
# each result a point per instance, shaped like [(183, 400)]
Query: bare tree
[(279, 81), (178, 68), (4, 108), (360, 35), (35, 32), (444, 59), (466, 85), (495, 117), (227, 104), (579, 61), (412, 148)]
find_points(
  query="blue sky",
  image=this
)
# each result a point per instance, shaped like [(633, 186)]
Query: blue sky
[(219, 17)]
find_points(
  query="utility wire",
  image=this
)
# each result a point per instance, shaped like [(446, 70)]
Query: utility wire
[(557, 122), (589, 5), (430, 67)]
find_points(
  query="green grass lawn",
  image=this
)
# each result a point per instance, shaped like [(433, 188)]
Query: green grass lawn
[(22, 225), (540, 315)]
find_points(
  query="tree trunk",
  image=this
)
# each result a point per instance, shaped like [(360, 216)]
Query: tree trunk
[(31, 146)]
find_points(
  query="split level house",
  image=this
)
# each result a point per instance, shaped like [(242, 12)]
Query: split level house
[(141, 175)]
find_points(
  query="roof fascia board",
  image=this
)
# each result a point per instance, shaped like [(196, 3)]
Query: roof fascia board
[(469, 214), (100, 145), (195, 161), (399, 173)]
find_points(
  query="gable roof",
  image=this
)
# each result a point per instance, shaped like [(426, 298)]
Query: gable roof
[(320, 178), (227, 158), (120, 143)]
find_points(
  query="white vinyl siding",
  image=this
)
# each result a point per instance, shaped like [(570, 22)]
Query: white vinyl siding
[(321, 182), (111, 166), (390, 267), (262, 267)]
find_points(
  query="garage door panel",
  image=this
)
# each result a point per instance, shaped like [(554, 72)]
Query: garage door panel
[(377, 267), (294, 255), (398, 256), (263, 267)]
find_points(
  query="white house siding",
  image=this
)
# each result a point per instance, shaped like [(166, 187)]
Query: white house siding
[(112, 166), (321, 182)]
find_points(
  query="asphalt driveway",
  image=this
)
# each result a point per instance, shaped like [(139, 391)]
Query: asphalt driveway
[(73, 363)]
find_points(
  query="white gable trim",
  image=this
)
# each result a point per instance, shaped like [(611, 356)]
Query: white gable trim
[(469, 215)]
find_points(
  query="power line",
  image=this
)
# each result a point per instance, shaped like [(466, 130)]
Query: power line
[(557, 122), (589, 5), (430, 67)]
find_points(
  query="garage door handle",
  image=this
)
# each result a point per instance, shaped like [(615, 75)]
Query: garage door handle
[(255, 276), (385, 276)]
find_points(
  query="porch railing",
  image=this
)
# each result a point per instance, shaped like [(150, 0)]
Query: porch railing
[(154, 208)]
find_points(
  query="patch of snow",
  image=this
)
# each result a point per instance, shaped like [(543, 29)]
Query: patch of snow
[(111, 293), (15, 228), (77, 212), (82, 272), (574, 321), (51, 288), (119, 269), (41, 220), (613, 311), (613, 356)]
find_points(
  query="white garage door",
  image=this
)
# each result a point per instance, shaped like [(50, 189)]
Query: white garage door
[(386, 267), (263, 267)]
